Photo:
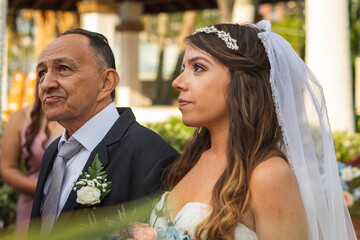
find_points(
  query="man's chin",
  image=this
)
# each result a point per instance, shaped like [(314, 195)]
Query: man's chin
[(52, 116)]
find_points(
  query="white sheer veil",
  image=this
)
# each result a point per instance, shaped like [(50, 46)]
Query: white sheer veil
[(302, 115)]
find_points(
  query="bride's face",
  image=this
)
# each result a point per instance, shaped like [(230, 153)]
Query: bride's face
[(203, 88)]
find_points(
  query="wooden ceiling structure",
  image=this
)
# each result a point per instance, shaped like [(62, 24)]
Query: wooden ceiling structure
[(150, 6)]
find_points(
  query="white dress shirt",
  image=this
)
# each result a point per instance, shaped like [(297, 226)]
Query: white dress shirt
[(89, 136)]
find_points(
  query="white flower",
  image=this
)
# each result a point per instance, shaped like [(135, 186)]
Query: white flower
[(90, 189), (347, 174), (356, 172), (88, 195), (80, 182), (90, 183), (96, 182)]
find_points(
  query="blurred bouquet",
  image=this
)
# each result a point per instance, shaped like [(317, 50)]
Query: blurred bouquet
[(350, 183), (125, 228), (142, 231)]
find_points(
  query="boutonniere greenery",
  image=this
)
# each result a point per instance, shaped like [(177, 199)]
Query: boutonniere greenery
[(93, 186)]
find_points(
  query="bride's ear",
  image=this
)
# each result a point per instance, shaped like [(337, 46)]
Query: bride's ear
[(109, 80)]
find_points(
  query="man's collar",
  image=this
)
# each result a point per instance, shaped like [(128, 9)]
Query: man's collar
[(94, 130)]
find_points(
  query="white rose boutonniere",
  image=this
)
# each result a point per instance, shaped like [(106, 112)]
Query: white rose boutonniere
[(88, 195), (93, 187)]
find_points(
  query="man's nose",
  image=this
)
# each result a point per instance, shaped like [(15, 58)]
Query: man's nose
[(48, 81)]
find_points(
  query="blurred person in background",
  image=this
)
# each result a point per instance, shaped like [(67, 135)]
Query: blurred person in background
[(26, 136)]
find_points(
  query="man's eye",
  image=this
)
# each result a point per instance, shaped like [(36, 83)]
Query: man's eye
[(41, 73), (64, 68)]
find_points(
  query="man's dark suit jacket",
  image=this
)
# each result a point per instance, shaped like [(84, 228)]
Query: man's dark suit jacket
[(133, 156)]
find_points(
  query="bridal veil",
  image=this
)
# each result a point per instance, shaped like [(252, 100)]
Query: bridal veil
[(302, 115)]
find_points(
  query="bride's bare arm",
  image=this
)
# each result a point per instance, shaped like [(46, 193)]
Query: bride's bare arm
[(276, 203)]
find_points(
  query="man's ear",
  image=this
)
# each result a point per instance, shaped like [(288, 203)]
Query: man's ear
[(109, 80)]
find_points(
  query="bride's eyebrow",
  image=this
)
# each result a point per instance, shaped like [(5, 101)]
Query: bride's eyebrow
[(194, 59)]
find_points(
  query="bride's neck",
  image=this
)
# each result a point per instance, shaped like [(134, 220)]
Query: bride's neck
[(219, 139)]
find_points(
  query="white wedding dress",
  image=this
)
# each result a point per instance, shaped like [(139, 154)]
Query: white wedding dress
[(191, 215)]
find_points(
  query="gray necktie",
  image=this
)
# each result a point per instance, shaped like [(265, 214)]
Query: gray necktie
[(49, 212)]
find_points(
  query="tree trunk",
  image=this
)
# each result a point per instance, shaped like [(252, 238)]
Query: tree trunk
[(163, 29), (49, 24), (244, 11), (226, 9)]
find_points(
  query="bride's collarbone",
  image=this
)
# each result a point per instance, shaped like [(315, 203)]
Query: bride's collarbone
[(177, 202), (187, 191), (197, 185)]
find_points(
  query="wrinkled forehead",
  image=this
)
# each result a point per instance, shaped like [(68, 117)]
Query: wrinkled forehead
[(71, 46), (67, 44)]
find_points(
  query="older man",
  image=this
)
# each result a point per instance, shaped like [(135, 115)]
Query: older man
[(77, 81)]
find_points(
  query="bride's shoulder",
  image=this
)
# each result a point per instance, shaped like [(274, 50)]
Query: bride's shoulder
[(275, 201), (271, 169), (273, 174)]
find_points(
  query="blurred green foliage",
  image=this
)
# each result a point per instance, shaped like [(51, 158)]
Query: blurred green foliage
[(354, 17), (173, 131), (8, 199), (347, 146), (354, 184), (292, 28)]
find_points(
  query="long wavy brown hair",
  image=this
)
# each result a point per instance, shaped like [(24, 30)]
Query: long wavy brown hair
[(254, 132), (36, 120)]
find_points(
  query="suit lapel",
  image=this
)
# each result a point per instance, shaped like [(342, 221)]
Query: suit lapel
[(115, 134)]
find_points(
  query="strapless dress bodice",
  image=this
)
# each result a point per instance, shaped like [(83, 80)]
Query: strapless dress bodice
[(191, 215)]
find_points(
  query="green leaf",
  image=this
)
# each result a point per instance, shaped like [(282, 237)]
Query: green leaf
[(95, 169), (92, 173), (103, 194)]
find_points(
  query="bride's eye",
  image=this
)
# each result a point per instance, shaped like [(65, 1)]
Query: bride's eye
[(198, 68)]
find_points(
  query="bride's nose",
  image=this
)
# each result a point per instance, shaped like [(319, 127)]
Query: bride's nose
[(179, 83)]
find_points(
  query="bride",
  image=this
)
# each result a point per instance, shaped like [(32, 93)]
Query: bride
[(261, 163)]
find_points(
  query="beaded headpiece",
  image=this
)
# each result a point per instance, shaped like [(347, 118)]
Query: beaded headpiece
[(230, 42)]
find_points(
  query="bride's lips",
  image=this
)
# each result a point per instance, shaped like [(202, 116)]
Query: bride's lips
[(183, 103)]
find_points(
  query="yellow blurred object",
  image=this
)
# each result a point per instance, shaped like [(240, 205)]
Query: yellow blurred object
[(15, 95), (30, 88)]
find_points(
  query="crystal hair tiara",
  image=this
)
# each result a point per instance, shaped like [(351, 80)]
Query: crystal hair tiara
[(230, 42)]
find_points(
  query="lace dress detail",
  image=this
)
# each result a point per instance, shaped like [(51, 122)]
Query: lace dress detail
[(191, 215)]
